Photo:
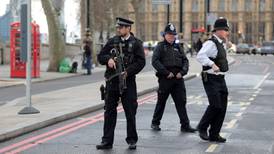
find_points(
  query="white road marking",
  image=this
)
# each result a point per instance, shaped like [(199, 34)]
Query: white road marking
[(251, 99), (243, 108), (211, 148), (261, 82), (231, 123), (239, 114)]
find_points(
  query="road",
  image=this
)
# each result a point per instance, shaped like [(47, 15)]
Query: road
[(248, 125)]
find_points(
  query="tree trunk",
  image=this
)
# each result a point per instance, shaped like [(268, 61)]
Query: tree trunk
[(56, 40), (136, 5)]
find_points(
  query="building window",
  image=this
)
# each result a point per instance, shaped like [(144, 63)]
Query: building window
[(195, 6), (248, 5), (154, 31), (234, 4), (261, 28), (273, 31), (154, 8), (262, 5), (195, 25), (221, 6), (273, 5), (234, 31), (248, 31)]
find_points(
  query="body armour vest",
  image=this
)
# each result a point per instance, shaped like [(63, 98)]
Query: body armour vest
[(171, 55), (127, 47), (220, 59)]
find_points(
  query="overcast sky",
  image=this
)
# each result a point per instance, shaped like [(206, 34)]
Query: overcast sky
[(71, 9), (3, 4)]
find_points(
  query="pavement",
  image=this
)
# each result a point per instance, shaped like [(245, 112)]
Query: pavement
[(59, 105)]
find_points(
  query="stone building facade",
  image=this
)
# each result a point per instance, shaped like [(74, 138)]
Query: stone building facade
[(252, 20)]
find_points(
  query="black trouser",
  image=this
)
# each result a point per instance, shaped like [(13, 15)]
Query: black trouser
[(129, 102), (217, 93), (177, 90)]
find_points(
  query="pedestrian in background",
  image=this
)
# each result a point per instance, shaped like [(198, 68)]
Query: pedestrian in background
[(213, 58), (133, 61), (87, 56), (171, 65)]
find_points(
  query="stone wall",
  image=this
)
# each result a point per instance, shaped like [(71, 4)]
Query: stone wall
[(71, 50)]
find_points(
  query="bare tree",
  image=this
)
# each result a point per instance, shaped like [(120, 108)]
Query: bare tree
[(56, 39), (136, 6)]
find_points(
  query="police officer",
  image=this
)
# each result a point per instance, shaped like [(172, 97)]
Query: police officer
[(171, 65), (213, 58), (134, 62)]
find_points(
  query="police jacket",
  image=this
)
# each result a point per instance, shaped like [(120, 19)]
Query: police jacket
[(169, 58), (134, 57)]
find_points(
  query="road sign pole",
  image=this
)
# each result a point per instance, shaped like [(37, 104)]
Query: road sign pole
[(28, 109)]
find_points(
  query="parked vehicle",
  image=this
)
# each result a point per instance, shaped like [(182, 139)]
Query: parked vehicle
[(267, 48), (232, 49), (252, 49), (242, 48)]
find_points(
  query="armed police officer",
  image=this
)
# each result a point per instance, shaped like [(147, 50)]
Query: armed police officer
[(124, 57), (213, 58), (171, 65)]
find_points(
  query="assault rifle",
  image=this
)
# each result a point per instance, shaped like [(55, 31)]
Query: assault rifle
[(118, 57)]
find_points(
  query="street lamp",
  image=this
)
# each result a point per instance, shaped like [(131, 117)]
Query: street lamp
[(207, 10)]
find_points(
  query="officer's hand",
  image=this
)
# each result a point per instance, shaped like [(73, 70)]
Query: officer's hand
[(124, 74), (111, 63), (215, 68), (179, 75), (170, 75)]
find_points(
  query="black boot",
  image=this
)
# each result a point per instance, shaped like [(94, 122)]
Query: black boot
[(203, 134), (132, 146), (104, 145), (89, 72), (217, 139), (155, 127), (188, 129)]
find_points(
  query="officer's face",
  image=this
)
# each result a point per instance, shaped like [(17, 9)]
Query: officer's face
[(170, 38), (223, 34), (123, 30)]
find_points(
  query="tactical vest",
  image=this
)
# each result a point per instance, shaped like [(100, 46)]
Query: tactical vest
[(127, 47), (220, 59), (171, 55)]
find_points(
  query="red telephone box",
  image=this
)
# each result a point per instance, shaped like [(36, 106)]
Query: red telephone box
[(17, 66)]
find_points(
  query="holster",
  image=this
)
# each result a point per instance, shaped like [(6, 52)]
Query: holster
[(204, 76), (102, 90)]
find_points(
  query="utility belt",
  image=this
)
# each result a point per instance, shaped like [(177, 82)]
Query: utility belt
[(213, 74), (210, 71)]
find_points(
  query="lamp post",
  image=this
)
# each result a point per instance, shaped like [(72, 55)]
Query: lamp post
[(207, 10), (88, 14), (181, 16), (168, 11)]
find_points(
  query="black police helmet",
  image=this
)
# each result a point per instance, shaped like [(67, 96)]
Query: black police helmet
[(170, 28), (221, 24)]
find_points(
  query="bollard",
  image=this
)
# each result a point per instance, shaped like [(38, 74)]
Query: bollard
[(2, 56)]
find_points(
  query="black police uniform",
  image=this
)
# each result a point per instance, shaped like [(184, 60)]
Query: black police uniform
[(217, 92), (170, 58), (134, 61)]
